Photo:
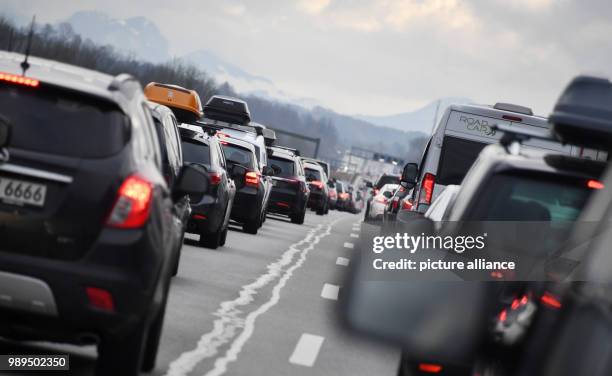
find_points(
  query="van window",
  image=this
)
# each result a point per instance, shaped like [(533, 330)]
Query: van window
[(457, 157)]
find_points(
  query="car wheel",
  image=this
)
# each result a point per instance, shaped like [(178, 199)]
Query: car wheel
[(177, 259), (122, 354), (251, 227), (321, 211), (298, 218), (210, 239), (154, 334), (223, 237)]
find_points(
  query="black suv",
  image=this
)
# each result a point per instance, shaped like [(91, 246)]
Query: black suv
[(172, 162), (250, 203), (290, 192), (212, 206), (319, 190), (85, 213)]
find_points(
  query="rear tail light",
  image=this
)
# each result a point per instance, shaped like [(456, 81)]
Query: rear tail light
[(251, 179), (595, 184), (407, 204), (395, 203), (215, 178), (427, 187), (430, 368), (503, 315), (100, 299), (317, 183), (133, 204), (344, 195), (550, 300), (19, 80)]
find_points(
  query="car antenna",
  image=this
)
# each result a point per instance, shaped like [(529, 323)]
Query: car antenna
[(24, 64)]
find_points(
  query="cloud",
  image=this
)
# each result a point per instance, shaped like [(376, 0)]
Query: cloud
[(401, 14), (235, 9), (313, 6)]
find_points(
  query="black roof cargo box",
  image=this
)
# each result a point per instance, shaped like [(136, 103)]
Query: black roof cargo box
[(227, 109), (583, 113)]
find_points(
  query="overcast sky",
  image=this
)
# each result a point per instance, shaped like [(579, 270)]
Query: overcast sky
[(386, 56)]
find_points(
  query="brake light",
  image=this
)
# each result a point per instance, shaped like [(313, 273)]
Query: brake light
[(427, 187), (395, 203), (252, 179), (344, 195), (512, 118), (407, 204), (133, 203), (215, 178), (524, 300), (199, 217), (503, 315), (430, 368), (595, 184), (317, 183), (515, 304), (550, 300), (17, 79), (100, 299)]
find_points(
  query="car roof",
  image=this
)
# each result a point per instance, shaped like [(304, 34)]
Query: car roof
[(312, 165), (71, 77), (193, 133), (157, 110), (283, 153)]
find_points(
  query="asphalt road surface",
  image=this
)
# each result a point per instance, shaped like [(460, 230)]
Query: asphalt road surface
[(262, 305)]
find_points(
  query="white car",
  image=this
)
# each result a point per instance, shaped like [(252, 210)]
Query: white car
[(377, 207)]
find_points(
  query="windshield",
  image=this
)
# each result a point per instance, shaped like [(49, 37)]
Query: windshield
[(196, 152), (238, 155), (457, 157), (282, 167), (63, 123)]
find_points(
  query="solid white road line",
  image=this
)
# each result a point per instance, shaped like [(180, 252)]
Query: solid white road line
[(354, 235), (342, 261), (349, 245), (232, 326), (330, 291), (306, 350)]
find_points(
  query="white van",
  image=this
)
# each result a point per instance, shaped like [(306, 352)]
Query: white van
[(463, 131)]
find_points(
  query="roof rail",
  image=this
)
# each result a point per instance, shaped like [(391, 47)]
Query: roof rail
[(209, 128), (294, 151), (119, 80)]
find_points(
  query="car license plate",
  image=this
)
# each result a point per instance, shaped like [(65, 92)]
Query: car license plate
[(19, 192)]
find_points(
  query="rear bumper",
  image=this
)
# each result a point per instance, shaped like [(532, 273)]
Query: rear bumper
[(126, 263), (206, 217), (286, 201), (317, 199)]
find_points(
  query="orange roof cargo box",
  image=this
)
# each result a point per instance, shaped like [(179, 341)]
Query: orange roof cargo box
[(185, 103)]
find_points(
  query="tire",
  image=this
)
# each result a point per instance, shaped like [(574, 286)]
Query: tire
[(321, 211), (210, 240), (122, 354), (298, 218), (154, 335), (223, 237), (251, 227)]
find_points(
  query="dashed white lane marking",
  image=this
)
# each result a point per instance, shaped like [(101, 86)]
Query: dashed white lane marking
[(231, 325), (349, 245), (330, 291), (354, 235), (343, 261), (306, 350), (357, 229)]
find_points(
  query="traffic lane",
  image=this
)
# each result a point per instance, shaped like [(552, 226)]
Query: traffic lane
[(302, 334), (206, 278)]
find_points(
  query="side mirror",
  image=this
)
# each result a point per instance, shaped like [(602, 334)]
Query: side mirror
[(409, 174), (442, 319), (388, 194), (331, 184), (267, 171), (369, 184), (238, 173), (5, 132), (192, 180)]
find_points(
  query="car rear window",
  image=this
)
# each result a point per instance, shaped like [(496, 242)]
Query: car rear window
[(196, 152), (520, 197), (73, 125), (282, 167), (457, 157), (387, 179), (239, 155), (312, 174)]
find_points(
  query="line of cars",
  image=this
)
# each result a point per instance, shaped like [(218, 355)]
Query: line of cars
[(99, 182), (548, 177)]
